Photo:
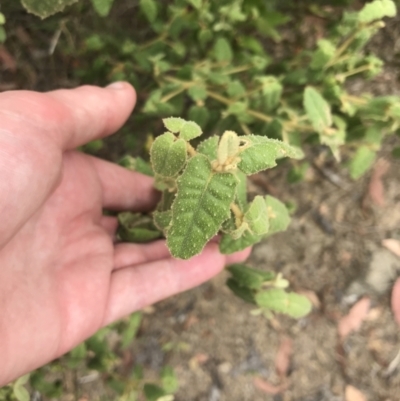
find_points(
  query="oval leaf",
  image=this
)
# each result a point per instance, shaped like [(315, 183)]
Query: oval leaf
[(229, 245), (222, 50), (190, 130), (168, 155), (174, 124), (45, 8), (260, 153), (318, 109), (149, 9), (102, 7), (280, 301), (278, 215), (248, 277), (257, 216), (228, 146), (200, 207), (361, 162)]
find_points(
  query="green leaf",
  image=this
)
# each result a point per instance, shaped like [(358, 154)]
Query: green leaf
[(136, 164), (162, 220), (229, 245), (149, 9), (278, 215), (20, 392), (257, 216), (235, 88), (222, 50), (153, 392), (318, 109), (130, 332), (271, 92), (169, 380), (168, 155), (190, 130), (45, 8), (209, 147), (133, 227), (197, 92), (260, 153), (249, 277), (2, 19), (200, 207), (102, 7), (326, 51), (361, 162), (241, 190), (244, 293), (288, 303), (174, 124), (199, 115), (195, 3), (377, 9), (228, 147)]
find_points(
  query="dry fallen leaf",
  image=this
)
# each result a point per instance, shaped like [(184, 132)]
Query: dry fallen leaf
[(353, 320), (283, 356), (393, 245), (266, 387), (354, 394), (375, 188), (396, 301)]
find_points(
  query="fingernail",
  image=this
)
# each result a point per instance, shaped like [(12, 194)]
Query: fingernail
[(116, 85)]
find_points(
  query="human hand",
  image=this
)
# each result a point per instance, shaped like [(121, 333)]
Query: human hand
[(61, 276)]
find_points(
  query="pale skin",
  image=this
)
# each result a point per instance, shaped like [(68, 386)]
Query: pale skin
[(62, 276)]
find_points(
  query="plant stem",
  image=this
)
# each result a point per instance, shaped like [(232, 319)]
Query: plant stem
[(190, 149), (237, 213), (357, 70)]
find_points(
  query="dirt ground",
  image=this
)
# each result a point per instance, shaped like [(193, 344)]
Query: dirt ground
[(332, 250)]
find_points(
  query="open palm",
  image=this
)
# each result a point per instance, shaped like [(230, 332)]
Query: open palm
[(62, 277)]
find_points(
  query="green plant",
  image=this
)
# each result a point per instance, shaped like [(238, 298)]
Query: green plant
[(98, 358), (229, 81), (204, 193)]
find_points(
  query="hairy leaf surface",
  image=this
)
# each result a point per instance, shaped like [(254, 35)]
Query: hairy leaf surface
[(168, 155), (257, 216), (173, 124), (209, 147), (162, 220), (190, 130), (288, 303), (228, 146), (261, 153), (229, 245), (278, 215), (200, 207)]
